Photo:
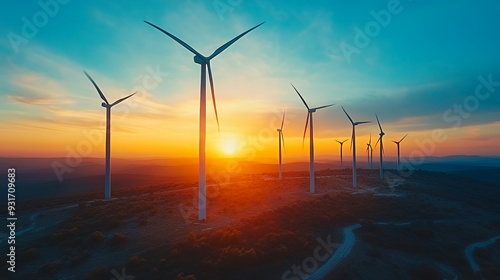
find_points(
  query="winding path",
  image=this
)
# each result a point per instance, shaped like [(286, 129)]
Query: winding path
[(343, 251), (469, 252), (33, 218)]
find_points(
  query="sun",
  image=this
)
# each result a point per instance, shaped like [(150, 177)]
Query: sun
[(229, 146)]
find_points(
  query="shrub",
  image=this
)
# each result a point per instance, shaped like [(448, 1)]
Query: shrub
[(97, 236), (118, 239), (100, 272), (50, 268), (182, 276), (425, 271), (135, 262), (31, 254)]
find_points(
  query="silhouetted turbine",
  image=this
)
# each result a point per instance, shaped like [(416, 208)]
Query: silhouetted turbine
[(205, 63), (341, 144), (381, 135), (353, 148), (105, 104), (369, 151), (281, 139), (309, 120), (397, 143)]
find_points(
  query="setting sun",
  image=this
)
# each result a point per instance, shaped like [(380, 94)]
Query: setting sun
[(228, 145)]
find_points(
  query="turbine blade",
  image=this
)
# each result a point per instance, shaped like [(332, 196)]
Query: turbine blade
[(347, 115), (282, 121), (321, 107), (362, 122), (226, 45), (213, 94), (345, 140), (339, 142), (283, 139), (370, 142), (403, 138), (97, 88), (379, 123), (305, 129), (184, 44), (122, 99), (377, 143), (300, 97), (352, 138)]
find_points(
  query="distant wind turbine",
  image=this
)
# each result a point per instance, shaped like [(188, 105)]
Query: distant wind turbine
[(353, 147), (105, 104), (397, 143), (381, 135), (309, 120), (341, 144), (205, 63), (281, 139), (369, 151)]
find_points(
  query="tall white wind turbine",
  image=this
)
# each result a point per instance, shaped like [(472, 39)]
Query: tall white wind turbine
[(280, 140), (369, 151), (353, 147), (105, 104), (204, 63), (381, 135), (309, 121), (341, 144), (397, 143)]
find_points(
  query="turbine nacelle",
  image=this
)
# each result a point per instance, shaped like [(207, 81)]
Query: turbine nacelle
[(201, 59), (104, 105), (311, 110)]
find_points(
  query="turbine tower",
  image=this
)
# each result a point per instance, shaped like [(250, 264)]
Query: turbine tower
[(204, 63), (369, 151), (341, 144), (397, 143), (353, 147), (381, 135), (309, 120), (281, 139), (105, 104)]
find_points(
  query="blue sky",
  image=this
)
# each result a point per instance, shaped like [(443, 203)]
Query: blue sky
[(427, 58)]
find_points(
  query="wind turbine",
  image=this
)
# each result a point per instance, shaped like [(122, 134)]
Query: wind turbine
[(341, 143), (105, 104), (397, 143), (281, 139), (369, 151), (353, 147), (204, 63), (309, 120), (381, 135)]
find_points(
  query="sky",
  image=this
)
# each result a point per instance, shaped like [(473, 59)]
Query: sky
[(429, 70)]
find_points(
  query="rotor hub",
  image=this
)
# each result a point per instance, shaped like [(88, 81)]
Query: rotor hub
[(200, 59)]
